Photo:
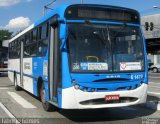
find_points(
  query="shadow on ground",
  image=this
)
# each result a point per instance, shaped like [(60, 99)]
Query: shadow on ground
[(109, 114)]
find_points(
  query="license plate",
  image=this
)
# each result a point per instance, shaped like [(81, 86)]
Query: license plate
[(111, 97)]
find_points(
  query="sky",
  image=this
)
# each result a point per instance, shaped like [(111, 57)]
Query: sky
[(18, 14)]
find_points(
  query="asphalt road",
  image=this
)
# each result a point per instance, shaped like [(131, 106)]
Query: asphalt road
[(22, 107), (154, 83)]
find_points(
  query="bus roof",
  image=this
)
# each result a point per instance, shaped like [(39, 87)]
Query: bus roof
[(61, 12)]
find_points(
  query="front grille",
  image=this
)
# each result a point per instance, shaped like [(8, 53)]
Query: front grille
[(102, 101)]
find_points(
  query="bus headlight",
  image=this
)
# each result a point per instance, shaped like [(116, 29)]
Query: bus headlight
[(76, 86), (92, 90), (85, 89)]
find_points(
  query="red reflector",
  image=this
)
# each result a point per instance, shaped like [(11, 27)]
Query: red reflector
[(111, 97)]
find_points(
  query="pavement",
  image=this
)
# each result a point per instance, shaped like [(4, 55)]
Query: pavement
[(153, 99)]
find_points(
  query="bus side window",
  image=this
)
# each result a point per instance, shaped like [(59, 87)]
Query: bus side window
[(39, 33), (42, 47), (18, 48), (26, 48), (34, 35), (10, 50), (43, 39), (33, 49), (44, 31), (26, 51), (27, 38)]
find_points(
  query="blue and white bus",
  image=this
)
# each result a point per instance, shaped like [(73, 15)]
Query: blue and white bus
[(82, 56)]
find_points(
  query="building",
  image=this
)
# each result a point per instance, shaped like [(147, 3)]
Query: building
[(151, 29), (5, 43)]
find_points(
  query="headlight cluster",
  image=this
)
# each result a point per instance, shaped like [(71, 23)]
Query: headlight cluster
[(85, 89), (135, 87)]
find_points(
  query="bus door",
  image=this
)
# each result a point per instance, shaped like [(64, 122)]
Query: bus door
[(21, 63), (54, 61)]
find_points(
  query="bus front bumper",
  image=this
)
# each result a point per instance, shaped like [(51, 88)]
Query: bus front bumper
[(77, 99)]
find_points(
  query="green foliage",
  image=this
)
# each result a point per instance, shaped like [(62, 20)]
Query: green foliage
[(5, 34)]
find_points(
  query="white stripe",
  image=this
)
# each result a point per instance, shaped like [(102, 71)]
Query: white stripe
[(5, 88), (153, 93), (24, 103), (9, 113), (154, 83), (154, 86), (153, 77), (128, 108)]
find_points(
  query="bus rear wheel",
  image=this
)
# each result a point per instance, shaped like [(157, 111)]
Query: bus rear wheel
[(46, 105)]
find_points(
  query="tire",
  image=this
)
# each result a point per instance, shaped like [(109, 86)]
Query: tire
[(46, 105), (155, 70), (17, 88)]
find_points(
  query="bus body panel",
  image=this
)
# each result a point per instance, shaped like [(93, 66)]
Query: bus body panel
[(27, 72), (13, 66)]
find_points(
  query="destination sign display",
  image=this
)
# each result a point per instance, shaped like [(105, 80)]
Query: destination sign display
[(102, 13)]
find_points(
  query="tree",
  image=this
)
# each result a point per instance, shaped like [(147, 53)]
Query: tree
[(5, 35)]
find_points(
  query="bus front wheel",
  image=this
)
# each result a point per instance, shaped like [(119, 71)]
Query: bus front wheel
[(46, 105)]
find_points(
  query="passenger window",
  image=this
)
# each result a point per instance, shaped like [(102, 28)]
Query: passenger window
[(27, 38), (39, 33), (42, 48), (44, 31), (34, 35), (26, 51), (33, 49)]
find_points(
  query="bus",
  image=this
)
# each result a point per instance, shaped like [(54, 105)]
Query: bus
[(82, 56), (3, 60)]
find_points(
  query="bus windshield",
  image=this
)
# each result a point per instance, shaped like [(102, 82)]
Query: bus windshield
[(105, 48)]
